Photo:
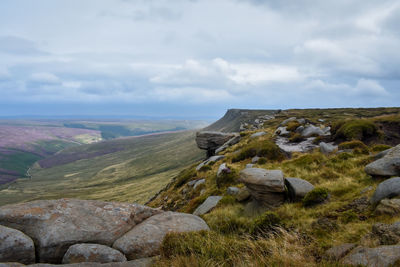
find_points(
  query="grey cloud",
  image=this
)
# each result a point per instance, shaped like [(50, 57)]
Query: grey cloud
[(19, 46)]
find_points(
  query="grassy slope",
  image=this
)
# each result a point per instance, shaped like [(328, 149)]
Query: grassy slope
[(136, 173), (303, 233)]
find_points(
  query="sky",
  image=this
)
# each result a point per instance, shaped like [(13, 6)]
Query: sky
[(196, 58)]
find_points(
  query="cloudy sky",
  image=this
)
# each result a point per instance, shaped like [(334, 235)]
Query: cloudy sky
[(196, 58)]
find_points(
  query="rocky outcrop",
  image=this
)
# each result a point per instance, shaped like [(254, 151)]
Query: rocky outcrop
[(209, 160), (327, 148), (388, 234), (388, 165), (312, 130), (210, 141), (265, 186), (382, 256), (92, 253), (387, 189), (145, 239), (15, 246), (388, 207), (298, 188), (222, 169), (55, 225), (210, 203), (281, 131), (337, 252), (233, 141)]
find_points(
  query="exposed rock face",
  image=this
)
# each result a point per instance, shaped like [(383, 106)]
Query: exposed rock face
[(207, 205), (388, 206), (382, 256), (312, 130), (55, 225), (337, 252), (92, 253), (387, 189), (388, 165), (265, 186), (327, 148), (298, 188), (210, 141), (198, 183), (223, 169), (145, 239), (255, 159), (283, 123), (15, 246), (232, 190), (388, 234), (254, 135), (281, 131), (233, 141)]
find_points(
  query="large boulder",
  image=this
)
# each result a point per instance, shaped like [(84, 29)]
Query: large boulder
[(387, 189), (382, 256), (266, 186), (210, 141), (388, 165), (16, 246), (145, 239), (298, 188), (55, 225), (92, 253), (210, 203)]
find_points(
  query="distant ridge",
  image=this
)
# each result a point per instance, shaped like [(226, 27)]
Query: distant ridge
[(233, 118)]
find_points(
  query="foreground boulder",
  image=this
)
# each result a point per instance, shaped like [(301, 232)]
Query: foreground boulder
[(55, 225), (265, 186), (388, 165), (15, 246), (387, 189), (145, 239), (210, 141), (92, 253), (382, 256), (298, 188)]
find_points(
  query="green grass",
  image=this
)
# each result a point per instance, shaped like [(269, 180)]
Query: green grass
[(134, 174), (19, 162)]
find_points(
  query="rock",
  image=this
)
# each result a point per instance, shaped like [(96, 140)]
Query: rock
[(288, 147), (299, 129), (382, 256), (207, 205), (16, 246), (383, 153), (233, 141), (223, 169), (321, 120), (210, 141), (232, 190), (192, 183), (388, 165), (255, 159), (144, 240), (12, 264), (55, 225), (301, 121), (92, 253), (337, 252), (388, 234), (254, 135), (243, 194), (387, 189), (281, 131), (145, 262), (327, 148), (312, 130), (283, 123), (198, 183), (265, 186), (298, 188), (388, 206), (209, 160), (249, 165)]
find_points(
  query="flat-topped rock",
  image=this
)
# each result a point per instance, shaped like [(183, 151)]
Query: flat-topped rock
[(388, 165), (16, 246), (92, 253), (210, 140), (145, 239), (55, 225)]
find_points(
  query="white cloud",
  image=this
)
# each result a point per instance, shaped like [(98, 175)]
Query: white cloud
[(44, 78)]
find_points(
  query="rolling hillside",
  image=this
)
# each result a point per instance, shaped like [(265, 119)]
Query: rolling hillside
[(128, 169)]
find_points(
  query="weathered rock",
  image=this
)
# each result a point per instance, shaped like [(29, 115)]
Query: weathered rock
[(198, 183), (337, 252), (388, 206), (209, 160), (12, 264), (383, 153), (388, 165), (223, 169), (254, 135), (233, 141), (16, 246), (210, 141), (249, 165), (92, 253), (243, 194), (388, 234), (298, 188), (255, 159), (281, 131), (301, 121), (327, 148), (232, 190), (382, 256), (283, 123), (192, 183), (145, 262), (144, 240), (387, 189), (312, 130), (265, 186), (55, 225), (207, 205)]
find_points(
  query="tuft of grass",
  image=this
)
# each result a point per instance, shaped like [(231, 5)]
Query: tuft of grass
[(354, 130), (292, 126), (357, 145), (265, 223), (380, 147), (296, 138), (184, 177), (266, 148), (316, 196), (227, 178)]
